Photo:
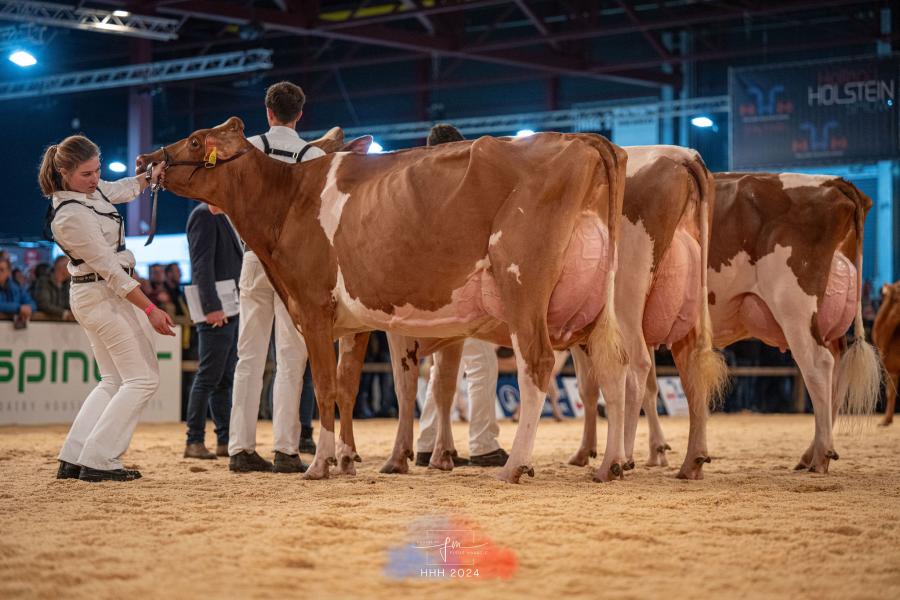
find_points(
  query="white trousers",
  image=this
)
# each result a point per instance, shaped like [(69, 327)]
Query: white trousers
[(260, 305), (479, 360), (122, 341)]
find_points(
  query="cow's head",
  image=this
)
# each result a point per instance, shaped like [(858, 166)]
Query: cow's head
[(192, 162)]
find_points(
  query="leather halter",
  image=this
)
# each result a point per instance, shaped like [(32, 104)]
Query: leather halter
[(206, 163)]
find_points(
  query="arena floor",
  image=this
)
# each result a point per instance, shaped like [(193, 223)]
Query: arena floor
[(191, 529)]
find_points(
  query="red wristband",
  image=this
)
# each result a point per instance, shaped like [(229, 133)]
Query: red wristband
[(149, 309)]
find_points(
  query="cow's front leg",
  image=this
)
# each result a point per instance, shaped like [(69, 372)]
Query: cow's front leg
[(319, 341), (405, 366), (350, 365), (589, 391)]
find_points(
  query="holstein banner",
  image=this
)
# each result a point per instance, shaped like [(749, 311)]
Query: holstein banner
[(810, 113), (48, 369)]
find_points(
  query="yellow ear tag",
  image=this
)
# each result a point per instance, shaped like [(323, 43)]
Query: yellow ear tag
[(210, 159)]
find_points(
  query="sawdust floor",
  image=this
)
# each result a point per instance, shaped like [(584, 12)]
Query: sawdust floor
[(191, 529)]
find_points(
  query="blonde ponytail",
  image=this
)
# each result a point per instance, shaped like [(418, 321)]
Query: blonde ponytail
[(68, 154)]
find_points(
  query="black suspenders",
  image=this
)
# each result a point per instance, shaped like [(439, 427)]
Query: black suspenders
[(114, 215), (297, 156)]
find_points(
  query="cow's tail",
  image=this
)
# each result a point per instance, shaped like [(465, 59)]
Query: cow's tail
[(605, 343), (706, 369), (860, 370)]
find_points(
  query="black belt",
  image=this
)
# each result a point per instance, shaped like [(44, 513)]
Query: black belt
[(92, 277)]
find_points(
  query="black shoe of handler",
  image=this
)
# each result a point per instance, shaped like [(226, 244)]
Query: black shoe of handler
[(68, 470), (307, 445), (249, 462), (288, 463), (424, 458), (497, 458), (95, 475)]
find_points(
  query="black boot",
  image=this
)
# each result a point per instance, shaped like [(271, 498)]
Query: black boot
[(497, 458), (248, 462), (288, 463), (68, 470), (94, 475), (307, 445)]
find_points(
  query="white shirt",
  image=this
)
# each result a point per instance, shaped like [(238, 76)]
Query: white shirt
[(287, 139), (95, 239)]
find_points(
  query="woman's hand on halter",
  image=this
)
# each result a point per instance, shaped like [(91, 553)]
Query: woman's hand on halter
[(157, 175), (161, 321)]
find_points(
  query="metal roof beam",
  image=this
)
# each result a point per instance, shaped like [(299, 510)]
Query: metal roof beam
[(143, 74), (119, 22)]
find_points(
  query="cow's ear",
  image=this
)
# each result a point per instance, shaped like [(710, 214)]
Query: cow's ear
[(885, 290), (359, 146)]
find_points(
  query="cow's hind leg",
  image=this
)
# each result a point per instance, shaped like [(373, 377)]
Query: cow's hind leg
[(658, 445), (534, 374), (890, 391), (589, 391), (350, 365), (405, 366), (697, 453), (444, 375)]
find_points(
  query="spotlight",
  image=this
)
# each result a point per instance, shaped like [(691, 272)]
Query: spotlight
[(702, 122), (117, 167), (23, 58), (524, 133), (375, 148), (121, 14)]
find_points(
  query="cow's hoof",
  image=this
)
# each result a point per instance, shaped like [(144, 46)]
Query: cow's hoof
[(658, 456), (820, 463), (442, 461), (346, 466), (629, 465), (346, 456), (319, 468), (693, 468), (396, 466), (606, 473), (582, 457), (513, 475), (886, 423)]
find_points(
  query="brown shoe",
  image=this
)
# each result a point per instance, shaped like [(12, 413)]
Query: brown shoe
[(198, 450), (222, 450)]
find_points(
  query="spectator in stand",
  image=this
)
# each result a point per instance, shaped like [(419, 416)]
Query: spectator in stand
[(173, 288), (157, 281), (39, 270), (20, 278), (51, 291), (14, 299)]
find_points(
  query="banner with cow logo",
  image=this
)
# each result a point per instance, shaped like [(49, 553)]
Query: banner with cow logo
[(48, 369), (814, 113)]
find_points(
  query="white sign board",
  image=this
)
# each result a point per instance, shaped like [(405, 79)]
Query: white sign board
[(48, 369), (673, 396)]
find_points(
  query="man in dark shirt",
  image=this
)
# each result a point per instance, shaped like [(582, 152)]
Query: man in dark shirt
[(51, 291), (216, 255)]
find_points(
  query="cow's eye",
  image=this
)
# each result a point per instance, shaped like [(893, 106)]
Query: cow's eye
[(195, 143)]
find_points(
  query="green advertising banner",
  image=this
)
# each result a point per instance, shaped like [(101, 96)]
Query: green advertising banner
[(48, 369)]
